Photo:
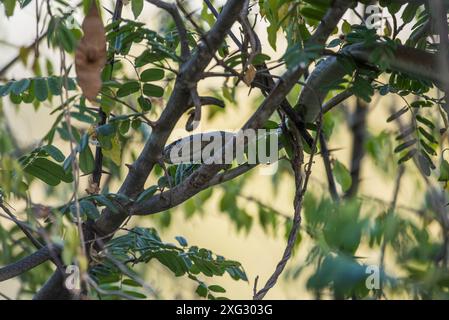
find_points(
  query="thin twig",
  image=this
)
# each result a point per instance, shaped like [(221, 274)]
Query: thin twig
[(4, 296), (301, 188), (182, 32), (357, 125), (98, 162), (390, 212), (19, 224), (327, 165)]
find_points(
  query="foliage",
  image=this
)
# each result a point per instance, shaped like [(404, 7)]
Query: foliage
[(100, 117)]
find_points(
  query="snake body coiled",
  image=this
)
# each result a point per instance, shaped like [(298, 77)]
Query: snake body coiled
[(17, 268)]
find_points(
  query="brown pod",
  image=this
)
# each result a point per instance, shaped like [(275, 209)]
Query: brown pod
[(90, 56)]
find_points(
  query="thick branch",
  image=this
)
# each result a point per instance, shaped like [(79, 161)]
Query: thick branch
[(190, 73), (199, 179), (439, 16)]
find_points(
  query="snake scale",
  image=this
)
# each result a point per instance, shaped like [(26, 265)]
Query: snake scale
[(17, 268)]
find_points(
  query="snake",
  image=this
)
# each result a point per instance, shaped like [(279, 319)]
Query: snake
[(29, 262), (413, 62)]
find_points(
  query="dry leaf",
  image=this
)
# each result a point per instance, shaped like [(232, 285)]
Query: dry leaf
[(249, 76), (92, 187), (40, 211), (90, 56)]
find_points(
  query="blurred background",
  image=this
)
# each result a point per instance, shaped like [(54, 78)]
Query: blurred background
[(257, 245)]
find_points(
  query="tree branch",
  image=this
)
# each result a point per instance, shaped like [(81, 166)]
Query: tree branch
[(439, 16), (358, 129), (199, 179), (301, 188), (98, 167), (190, 73), (328, 167), (7, 66), (183, 37), (21, 226)]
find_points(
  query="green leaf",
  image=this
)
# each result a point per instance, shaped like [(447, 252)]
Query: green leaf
[(128, 88), (424, 164), (131, 282), (334, 43), (427, 135), (86, 161), (148, 193), (425, 121), (43, 175), (312, 13), (151, 90), (405, 145), (16, 99), (71, 84), (342, 175), (54, 152), (55, 85), (144, 103), (54, 168), (135, 294), (202, 290), (106, 130), (48, 171), (84, 142), (40, 89), (137, 7), (147, 57), (216, 288), (428, 148), (24, 3), (152, 74), (444, 171), (409, 12), (101, 198), (115, 152), (89, 209), (5, 89), (407, 156), (65, 38), (272, 34), (9, 7), (346, 27), (182, 241), (20, 86), (124, 127), (261, 58), (135, 124), (397, 114)]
